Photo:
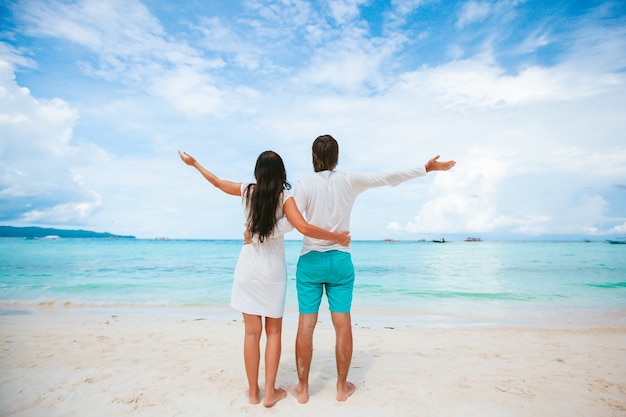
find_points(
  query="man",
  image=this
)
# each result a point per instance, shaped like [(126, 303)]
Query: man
[(326, 198)]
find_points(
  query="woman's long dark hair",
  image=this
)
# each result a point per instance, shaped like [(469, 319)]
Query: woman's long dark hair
[(262, 198)]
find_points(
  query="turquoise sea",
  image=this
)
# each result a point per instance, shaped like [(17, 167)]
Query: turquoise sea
[(398, 283)]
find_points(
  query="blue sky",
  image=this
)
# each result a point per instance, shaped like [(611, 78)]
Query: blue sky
[(529, 97)]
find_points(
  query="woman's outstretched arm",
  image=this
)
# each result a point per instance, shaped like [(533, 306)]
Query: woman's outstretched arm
[(229, 187), (295, 217)]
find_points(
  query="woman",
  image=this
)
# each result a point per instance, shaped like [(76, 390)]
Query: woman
[(260, 280)]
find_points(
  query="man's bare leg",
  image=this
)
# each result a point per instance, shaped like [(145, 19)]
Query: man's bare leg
[(343, 353), (304, 355)]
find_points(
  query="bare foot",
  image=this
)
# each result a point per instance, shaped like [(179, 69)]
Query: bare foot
[(301, 394), (278, 395), (253, 398), (343, 394)]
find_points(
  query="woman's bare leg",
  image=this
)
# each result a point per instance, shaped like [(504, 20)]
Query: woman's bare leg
[(252, 354), (273, 347)]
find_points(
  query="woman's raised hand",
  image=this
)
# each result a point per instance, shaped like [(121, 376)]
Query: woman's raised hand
[(188, 159)]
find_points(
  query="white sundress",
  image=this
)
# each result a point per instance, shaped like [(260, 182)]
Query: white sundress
[(260, 279)]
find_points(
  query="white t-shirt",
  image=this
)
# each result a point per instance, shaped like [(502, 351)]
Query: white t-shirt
[(326, 199)]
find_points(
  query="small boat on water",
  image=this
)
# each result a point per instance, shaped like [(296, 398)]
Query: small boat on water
[(473, 239), (442, 240), (618, 241)]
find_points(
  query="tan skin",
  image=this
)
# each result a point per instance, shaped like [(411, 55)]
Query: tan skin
[(254, 324), (342, 323), (435, 165)]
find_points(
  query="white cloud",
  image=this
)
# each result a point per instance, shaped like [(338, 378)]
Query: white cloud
[(394, 227), (113, 28), (464, 199), (620, 229), (344, 11), (479, 83), (342, 69), (472, 12), (404, 7), (539, 147), (280, 15), (189, 91), (536, 40), (64, 214), (131, 47), (220, 37), (583, 214), (15, 57), (26, 121), (36, 179)]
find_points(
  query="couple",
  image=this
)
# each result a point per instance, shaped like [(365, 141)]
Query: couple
[(259, 284)]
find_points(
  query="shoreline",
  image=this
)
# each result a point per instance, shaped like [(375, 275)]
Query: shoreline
[(376, 316), (103, 362)]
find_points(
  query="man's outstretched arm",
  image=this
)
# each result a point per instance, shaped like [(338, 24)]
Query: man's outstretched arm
[(434, 165), (364, 181)]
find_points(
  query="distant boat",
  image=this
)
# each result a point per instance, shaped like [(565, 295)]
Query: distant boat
[(442, 240), (473, 239), (618, 241), (390, 240), (51, 237)]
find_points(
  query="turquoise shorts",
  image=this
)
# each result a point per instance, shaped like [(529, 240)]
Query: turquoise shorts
[(332, 271)]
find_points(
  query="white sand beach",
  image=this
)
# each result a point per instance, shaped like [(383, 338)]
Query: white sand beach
[(69, 362)]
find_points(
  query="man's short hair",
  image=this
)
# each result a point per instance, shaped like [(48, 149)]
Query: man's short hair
[(325, 153)]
